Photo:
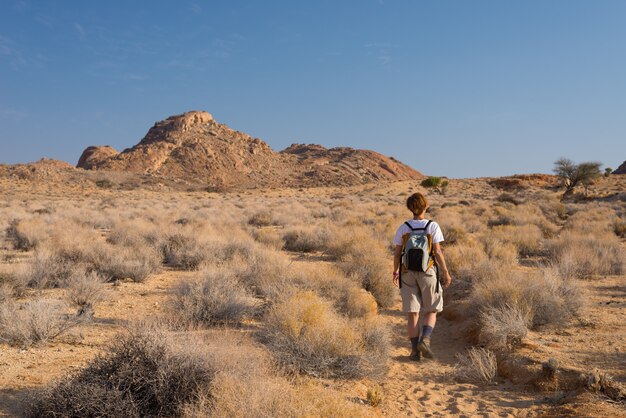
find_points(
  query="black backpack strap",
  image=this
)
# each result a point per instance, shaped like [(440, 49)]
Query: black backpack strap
[(410, 227), (427, 223)]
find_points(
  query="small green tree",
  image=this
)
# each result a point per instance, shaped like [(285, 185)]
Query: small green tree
[(607, 171), (574, 174), (438, 184)]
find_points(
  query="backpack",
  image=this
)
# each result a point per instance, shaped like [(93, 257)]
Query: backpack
[(417, 251)]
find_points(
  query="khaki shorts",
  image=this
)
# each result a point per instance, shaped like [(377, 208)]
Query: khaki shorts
[(419, 292)]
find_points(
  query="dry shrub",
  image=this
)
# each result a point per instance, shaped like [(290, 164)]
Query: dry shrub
[(477, 365), (554, 210), (6, 293), (190, 248), (84, 290), (454, 234), (463, 259), (149, 374), (502, 327), (497, 250), (15, 277), (527, 238), (546, 298), (216, 298), (372, 272), (117, 263), (246, 385), (361, 257), (359, 303), (591, 219), (265, 272), (261, 218), (49, 268), (268, 396), (268, 237), (584, 255), (619, 227), (509, 198), (55, 262), (185, 250), (375, 395), (327, 281), (26, 234), (33, 322), (305, 333), (135, 232), (306, 239), (69, 399)]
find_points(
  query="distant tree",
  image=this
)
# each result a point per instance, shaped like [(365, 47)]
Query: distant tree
[(573, 174), (438, 184), (607, 171)]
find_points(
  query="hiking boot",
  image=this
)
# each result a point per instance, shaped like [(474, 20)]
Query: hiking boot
[(415, 355), (424, 348)]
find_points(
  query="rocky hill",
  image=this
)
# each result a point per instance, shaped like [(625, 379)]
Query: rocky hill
[(194, 146), (621, 169)]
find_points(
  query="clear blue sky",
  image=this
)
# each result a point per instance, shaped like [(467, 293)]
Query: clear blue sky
[(458, 88)]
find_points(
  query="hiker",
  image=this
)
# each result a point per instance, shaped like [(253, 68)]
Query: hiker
[(421, 286)]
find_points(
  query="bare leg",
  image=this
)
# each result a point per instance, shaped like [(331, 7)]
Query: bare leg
[(413, 324), (428, 318)]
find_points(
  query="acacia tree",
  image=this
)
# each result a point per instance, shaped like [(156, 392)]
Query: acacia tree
[(438, 184), (574, 174)]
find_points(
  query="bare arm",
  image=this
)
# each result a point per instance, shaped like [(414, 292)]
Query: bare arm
[(397, 253), (446, 279)]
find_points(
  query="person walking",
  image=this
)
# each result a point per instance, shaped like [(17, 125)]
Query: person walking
[(422, 292)]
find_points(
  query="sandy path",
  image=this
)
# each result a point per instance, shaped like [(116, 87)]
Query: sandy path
[(428, 388)]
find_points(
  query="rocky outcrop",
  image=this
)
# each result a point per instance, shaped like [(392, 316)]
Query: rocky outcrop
[(46, 169), (621, 169), (346, 166), (194, 146), (95, 155)]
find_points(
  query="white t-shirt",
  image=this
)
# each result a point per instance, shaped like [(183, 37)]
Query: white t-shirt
[(433, 230)]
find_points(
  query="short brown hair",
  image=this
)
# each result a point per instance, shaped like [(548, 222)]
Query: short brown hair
[(417, 203)]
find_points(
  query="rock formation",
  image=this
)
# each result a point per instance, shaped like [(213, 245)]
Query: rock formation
[(621, 169), (94, 155), (194, 146)]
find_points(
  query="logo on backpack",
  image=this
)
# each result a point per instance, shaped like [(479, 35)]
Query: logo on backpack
[(417, 249)]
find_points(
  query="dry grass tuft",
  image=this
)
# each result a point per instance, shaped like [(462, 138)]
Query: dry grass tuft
[(585, 255), (477, 365), (502, 327), (118, 263), (84, 290), (26, 235), (375, 395), (619, 227), (15, 278), (216, 298), (261, 218), (268, 237), (508, 302), (329, 282), (34, 322), (306, 239), (305, 333)]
